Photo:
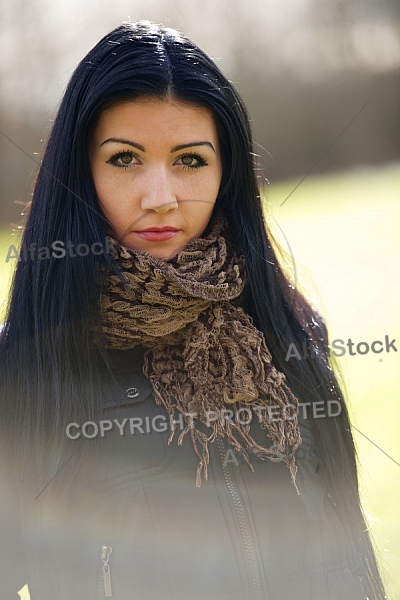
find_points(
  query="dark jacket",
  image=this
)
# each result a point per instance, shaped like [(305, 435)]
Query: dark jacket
[(242, 535)]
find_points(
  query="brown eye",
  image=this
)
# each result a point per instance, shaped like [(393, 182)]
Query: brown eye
[(123, 160), (126, 159), (192, 161)]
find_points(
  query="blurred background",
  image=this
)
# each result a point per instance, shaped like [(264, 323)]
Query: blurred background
[(321, 80), (304, 67)]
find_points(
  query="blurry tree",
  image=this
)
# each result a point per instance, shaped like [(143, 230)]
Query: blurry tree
[(304, 68)]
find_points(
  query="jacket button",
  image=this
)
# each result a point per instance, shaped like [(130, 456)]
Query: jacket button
[(132, 393)]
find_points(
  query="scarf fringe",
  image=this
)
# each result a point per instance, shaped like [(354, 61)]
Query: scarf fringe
[(203, 355)]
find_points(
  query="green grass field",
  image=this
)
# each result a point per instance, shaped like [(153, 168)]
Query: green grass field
[(343, 233)]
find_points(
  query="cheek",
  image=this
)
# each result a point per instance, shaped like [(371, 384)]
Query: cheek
[(106, 187), (207, 189), (201, 217), (106, 201), (110, 204), (110, 195)]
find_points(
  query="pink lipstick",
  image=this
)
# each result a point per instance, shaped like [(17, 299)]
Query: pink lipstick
[(157, 234)]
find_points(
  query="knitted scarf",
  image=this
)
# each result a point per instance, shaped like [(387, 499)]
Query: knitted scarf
[(203, 355)]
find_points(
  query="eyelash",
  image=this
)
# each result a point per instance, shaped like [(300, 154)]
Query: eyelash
[(201, 161), (113, 159)]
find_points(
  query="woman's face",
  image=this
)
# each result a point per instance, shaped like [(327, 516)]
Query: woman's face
[(157, 169)]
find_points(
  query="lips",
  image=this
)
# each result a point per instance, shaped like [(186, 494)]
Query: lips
[(157, 234), (165, 228)]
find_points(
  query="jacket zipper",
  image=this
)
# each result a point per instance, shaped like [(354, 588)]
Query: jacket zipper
[(105, 584), (106, 550), (242, 522)]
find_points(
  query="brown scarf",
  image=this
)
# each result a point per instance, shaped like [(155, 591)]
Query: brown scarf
[(203, 353)]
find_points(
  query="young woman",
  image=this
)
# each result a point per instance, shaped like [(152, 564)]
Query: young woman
[(161, 445)]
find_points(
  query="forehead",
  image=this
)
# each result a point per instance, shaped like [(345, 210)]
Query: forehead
[(167, 119)]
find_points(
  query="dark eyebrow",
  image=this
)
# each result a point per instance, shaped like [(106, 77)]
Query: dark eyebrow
[(121, 141), (182, 146), (140, 147)]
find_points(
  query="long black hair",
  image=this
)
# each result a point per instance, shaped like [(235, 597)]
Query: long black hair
[(46, 348)]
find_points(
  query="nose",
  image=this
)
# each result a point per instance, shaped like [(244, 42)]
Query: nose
[(158, 194)]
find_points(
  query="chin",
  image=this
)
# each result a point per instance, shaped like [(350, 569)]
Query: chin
[(166, 254)]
